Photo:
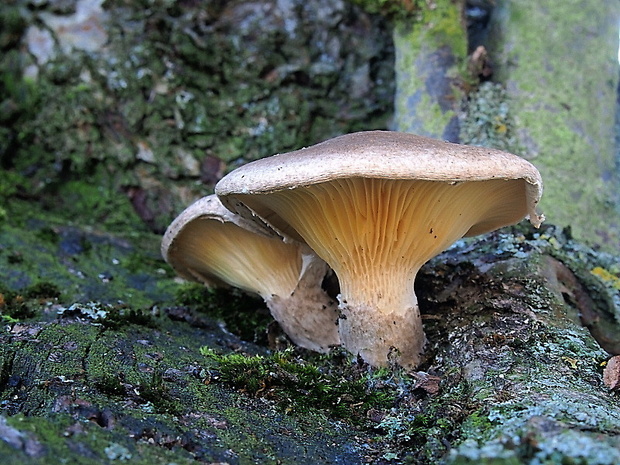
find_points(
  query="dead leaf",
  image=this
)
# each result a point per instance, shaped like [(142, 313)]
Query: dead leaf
[(611, 374)]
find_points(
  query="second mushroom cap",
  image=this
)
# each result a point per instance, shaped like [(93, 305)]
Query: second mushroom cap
[(209, 244)]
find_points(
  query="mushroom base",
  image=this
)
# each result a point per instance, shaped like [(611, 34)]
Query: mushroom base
[(309, 316), (382, 338)]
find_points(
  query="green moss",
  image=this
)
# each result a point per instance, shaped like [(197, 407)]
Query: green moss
[(110, 384), (477, 425), (141, 119), (299, 386), (430, 57), (42, 290), (47, 234), (13, 25), (245, 316), (392, 9), (121, 316), (94, 202), (444, 25), (19, 98), (159, 394), (21, 304), (10, 183), (152, 393), (37, 246), (48, 439), (149, 393)]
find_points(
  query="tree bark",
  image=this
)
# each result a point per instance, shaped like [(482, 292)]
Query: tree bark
[(516, 362), (558, 62), (430, 51)]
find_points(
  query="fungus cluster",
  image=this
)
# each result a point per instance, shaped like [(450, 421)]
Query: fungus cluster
[(375, 206)]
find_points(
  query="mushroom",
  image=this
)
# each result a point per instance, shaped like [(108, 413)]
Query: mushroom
[(376, 206), (209, 244)]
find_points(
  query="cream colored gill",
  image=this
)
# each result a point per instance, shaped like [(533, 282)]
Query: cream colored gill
[(240, 258), (376, 233)]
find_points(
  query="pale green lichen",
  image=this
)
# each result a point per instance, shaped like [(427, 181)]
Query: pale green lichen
[(430, 53), (116, 451), (564, 117), (487, 119)]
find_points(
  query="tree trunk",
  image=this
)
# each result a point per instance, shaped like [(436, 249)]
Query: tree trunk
[(510, 374), (559, 64), (430, 53)]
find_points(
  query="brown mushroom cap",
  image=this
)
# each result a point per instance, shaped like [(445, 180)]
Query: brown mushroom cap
[(209, 244), (376, 206), (391, 155)]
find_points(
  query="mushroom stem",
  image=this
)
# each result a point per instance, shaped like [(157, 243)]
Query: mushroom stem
[(382, 334), (307, 315), (382, 322)]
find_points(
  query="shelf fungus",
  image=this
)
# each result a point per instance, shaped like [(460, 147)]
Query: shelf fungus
[(209, 244), (376, 206)]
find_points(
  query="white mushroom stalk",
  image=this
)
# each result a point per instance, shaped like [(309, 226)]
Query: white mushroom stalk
[(376, 206), (209, 244)]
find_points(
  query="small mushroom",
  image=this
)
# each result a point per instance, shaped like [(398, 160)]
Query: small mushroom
[(209, 244), (376, 206)]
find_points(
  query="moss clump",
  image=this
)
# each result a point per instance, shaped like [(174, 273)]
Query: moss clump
[(299, 386), (120, 316), (393, 9), (96, 202), (42, 290), (245, 316), (152, 395), (21, 304)]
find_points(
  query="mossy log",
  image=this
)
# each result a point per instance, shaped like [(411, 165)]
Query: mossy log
[(123, 378), (511, 374), (507, 318), (102, 361), (76, 392)]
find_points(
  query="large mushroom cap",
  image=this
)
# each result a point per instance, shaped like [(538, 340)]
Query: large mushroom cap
[(390, 155), (209, 244), (376, 206)]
